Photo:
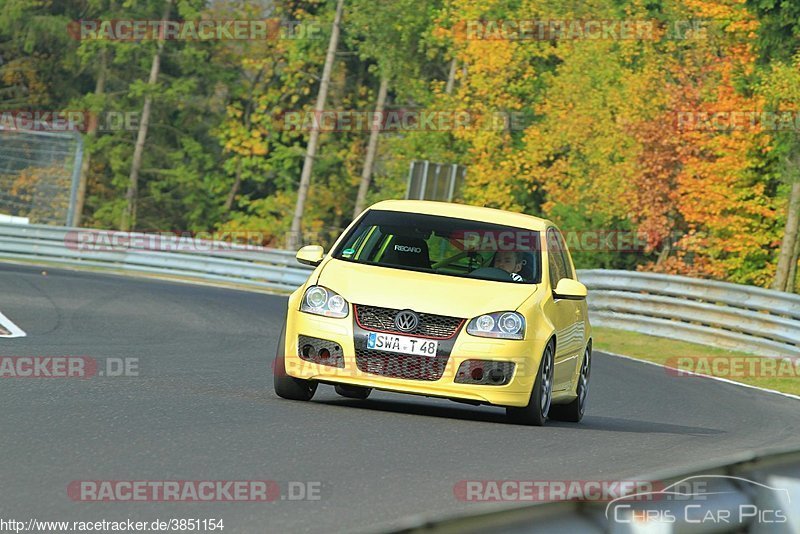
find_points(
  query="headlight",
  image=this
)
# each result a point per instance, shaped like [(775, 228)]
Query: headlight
[(322, 301), (505, 325)]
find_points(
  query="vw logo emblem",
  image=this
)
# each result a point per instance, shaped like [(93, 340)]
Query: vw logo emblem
[(406, 321)]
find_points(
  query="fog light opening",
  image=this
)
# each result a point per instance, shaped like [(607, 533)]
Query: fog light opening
[(308, 351), (497, 376), (324, 354), (477, 374)]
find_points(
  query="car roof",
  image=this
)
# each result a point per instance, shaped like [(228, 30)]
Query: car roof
[(463, 211)]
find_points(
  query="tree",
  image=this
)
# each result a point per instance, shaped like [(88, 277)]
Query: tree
[(129, 215), (91, 132), (387, 33), (372, 148), (779, 32), (37, 54), (781, 87), (311, 151)]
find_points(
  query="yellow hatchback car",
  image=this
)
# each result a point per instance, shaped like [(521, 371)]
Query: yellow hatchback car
[(445, 300)]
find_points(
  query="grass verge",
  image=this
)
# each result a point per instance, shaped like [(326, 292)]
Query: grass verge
[(770, 373)]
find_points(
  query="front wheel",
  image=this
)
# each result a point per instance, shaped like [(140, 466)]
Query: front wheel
[(538, 408), (573, 412), (289, 387), (353, 392)]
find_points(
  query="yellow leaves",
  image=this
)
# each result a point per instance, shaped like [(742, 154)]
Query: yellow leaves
[(440, 32), (259, 149), (247, 147)]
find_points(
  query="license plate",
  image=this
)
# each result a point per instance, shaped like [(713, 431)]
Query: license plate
[(402, 344)]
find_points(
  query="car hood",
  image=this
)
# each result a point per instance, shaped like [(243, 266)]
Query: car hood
[(422, 292)]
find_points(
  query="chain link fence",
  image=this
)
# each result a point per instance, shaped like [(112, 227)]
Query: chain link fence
[(39, 174)]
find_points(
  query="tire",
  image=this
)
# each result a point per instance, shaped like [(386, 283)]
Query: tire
[(573, 412), (289, 387), (353, 392), (538, 408)]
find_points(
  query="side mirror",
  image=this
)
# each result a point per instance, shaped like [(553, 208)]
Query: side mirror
[(310, 255), (569, 289)]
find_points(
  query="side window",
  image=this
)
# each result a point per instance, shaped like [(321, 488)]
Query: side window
[(367, 249), (377, 249), (554, 260), (562, 247)]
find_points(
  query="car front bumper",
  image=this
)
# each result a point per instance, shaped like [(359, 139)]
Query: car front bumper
[(525, 354)]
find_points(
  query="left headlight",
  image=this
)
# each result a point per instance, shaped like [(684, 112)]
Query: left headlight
[(505, 325), (322, 301)]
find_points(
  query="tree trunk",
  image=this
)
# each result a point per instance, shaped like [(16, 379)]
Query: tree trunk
[(129, 215), (294, 238), (781, 282), (235, 188), (451, 77), (790, 283), (91, 132), (372, 148)]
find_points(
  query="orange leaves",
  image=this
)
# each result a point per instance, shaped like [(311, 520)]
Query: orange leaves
[(699, 186), (606, 145)]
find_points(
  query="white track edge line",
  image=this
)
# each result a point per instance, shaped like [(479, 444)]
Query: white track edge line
[(691, 373)]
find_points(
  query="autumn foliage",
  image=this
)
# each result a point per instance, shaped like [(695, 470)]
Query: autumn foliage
[(598, 131)]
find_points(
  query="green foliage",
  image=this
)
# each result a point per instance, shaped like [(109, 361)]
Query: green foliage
[(592, 144)]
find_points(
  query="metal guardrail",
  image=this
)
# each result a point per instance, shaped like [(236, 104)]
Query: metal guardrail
[(733, 316), (754, 493), (254, 267)]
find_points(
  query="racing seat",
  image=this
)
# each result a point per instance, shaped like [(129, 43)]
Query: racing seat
[(407, 252)]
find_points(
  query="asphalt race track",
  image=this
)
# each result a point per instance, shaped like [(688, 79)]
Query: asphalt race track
[(202, 408)]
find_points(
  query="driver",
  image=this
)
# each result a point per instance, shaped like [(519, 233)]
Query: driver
[(511, 262)]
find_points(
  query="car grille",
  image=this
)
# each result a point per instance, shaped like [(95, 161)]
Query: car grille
[(406, 366), (430, 325)]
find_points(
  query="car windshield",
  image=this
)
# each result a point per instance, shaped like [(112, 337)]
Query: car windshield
[(444, 245)]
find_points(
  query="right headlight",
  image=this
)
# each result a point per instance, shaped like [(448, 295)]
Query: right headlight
[(504, 325), (322, 301)]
